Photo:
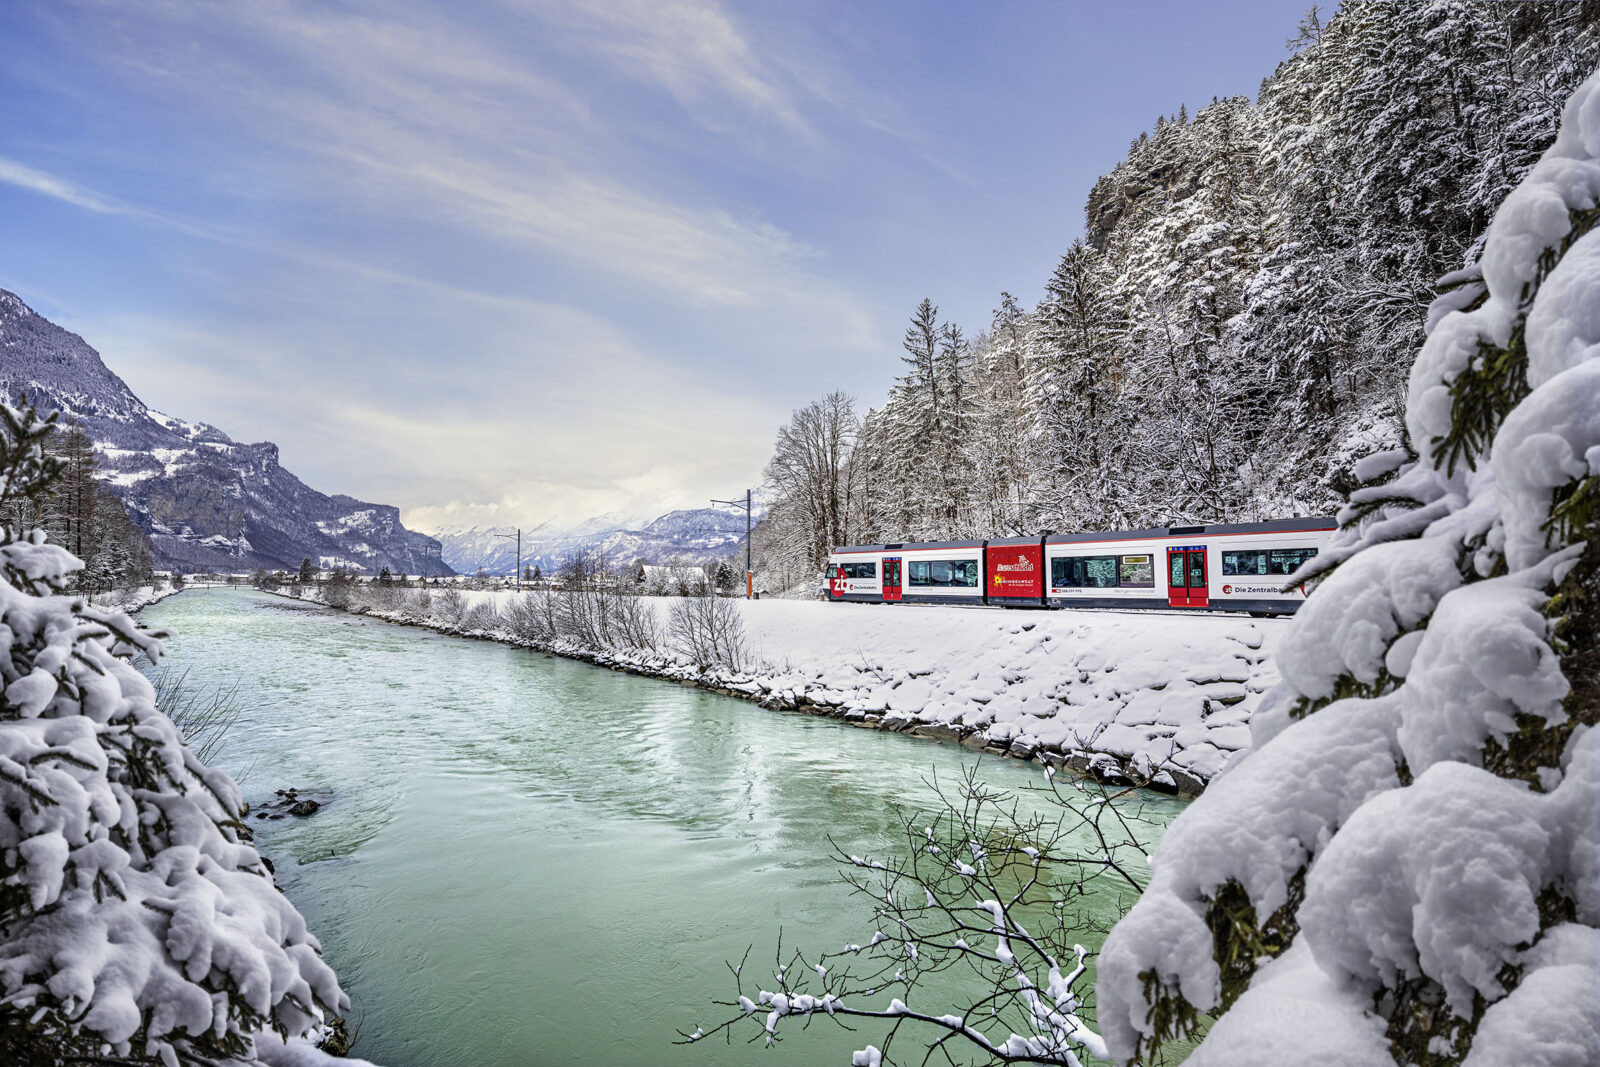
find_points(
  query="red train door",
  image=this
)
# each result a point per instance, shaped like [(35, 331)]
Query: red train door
[(891, 578), (1177, 578), (1199, 591), (1186, 578), (840, 584)]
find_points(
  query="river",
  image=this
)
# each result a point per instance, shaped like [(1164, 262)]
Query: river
[(526, 860)]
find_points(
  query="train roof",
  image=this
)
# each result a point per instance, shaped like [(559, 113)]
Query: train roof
[(1007, 541), (1315, 523), (1325, 522)]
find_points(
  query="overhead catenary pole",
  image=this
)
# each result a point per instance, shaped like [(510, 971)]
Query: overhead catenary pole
[(519, 555), (748, 503)]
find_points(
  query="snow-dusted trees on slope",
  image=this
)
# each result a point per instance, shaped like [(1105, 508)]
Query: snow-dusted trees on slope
[(137, 924), (1406, 868), (1232, 336)]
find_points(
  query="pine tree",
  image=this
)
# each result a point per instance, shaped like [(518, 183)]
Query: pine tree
[(1408, 854)]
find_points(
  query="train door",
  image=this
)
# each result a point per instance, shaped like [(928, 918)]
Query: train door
[(1186, 578), (891, 578), (840, 584)]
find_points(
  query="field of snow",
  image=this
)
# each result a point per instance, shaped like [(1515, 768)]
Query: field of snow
[(1130, 695), (1152, 690)]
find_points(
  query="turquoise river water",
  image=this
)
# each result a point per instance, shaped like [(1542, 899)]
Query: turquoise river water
[(526, 860)]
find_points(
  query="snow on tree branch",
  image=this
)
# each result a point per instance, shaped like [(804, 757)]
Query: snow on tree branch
[(987, 897), (1405, 868), (137, 923)]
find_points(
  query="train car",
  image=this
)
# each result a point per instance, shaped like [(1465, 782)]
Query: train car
[(937, 572), (855, 573), (1228, 567)]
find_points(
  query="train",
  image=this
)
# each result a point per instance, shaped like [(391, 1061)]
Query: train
[(1242, 567)]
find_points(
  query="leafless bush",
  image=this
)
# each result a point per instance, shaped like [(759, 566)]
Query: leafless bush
[(520, 618), (636, 624), (417, 603), (380, 596), (545, 605), (993, 898), (450, 606), (480, 616), (709, 630), (584, 617)]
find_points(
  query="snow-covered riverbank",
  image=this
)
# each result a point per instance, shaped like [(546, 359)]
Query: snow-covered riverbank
[(1118, 695), (134, 600)]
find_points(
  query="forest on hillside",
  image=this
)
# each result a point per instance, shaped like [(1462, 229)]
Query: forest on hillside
[(1236, 328)]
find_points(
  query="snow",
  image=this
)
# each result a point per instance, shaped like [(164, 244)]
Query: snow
[(1418, 862), (1544, 1021), (137, 909), (1147, 689), (1374, 597), (1300, 1016)]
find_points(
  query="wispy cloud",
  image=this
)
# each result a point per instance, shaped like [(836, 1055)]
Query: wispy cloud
[(415, 114), (25, 177), (691, 48), (453, 268)]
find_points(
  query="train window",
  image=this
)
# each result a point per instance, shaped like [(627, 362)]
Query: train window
[(1249, 562), (1079, 572), (1176, 581), (1136, 570), (860, 570), (1288, 560), (1266, 561), (1100, 572), (961, 573)]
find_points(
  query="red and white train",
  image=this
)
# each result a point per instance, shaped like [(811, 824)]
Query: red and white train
[(1233, 567)]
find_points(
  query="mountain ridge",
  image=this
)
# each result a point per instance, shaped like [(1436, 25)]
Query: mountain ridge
[(206, 500), (690, 535)]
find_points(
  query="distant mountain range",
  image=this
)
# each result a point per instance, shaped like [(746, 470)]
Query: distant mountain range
[(207, 501), (699, 535)]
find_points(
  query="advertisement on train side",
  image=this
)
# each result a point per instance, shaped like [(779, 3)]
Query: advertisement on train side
[(1015, 571)]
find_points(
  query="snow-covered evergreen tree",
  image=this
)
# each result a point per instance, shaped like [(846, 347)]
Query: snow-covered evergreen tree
[(1406, 868), (137, 923)]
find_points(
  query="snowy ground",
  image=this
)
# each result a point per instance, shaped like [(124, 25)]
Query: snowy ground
[(132, 600), (1116, 694)]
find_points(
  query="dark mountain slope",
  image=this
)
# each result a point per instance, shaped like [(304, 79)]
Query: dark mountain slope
[(207, 501)]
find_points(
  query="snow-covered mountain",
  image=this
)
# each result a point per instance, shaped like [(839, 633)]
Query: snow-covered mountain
[(697, 535), (206, 500)]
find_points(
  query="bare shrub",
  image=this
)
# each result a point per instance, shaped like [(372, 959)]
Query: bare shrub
[(709, 630), (480, 616), (976, 926), (417, 603), (636, 624), (449, 606)]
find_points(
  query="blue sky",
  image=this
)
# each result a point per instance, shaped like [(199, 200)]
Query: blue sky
[(504, 260)]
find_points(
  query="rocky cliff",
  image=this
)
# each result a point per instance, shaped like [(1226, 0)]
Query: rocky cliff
[(207, 501)]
